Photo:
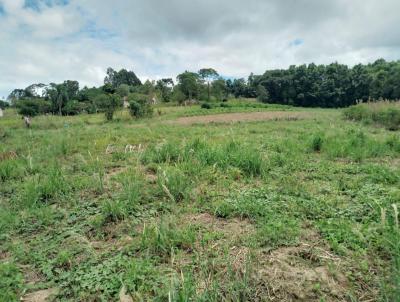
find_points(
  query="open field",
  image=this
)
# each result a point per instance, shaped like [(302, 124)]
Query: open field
[(273, 204)]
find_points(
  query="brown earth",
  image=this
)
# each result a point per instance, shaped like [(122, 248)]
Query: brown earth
[(307, 271), (242, 117), (44, 295), (304, 272)]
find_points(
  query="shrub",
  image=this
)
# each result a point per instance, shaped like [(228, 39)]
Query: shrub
[(139, 107), (74, 107), (33, 107), (108, 103), (316, 143), (384, 113), (206, 106), (4, 104)]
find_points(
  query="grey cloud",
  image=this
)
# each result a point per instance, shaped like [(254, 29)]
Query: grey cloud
[(160, 38)]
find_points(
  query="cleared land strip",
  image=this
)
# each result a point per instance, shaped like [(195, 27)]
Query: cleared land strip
[(239, 117)]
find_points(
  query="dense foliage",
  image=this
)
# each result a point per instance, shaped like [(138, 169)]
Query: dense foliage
[(334, 85), (4, 104), (383, 113)]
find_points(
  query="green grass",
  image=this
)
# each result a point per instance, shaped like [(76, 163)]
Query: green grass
[(200, 212), (384, 113)]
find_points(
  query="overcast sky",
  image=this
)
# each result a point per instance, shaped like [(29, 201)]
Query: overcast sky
[(55, 40)]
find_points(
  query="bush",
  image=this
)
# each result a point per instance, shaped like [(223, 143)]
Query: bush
[(33, 107), (108, 103), (206, 106), (74, 107), (140, 108), (178, 96), (4, 104), (316, 143), (384, 113)]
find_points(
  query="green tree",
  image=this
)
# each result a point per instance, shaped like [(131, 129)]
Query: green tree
[(139, 107), (164, 87), (58, 96), (189, 84), (219, 89), (262, 94), (4, 104), (116, 78), (177, 95), (108, 103), (123, 90), (208, 75)]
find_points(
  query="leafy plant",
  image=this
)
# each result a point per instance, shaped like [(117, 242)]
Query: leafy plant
[(11, 282)]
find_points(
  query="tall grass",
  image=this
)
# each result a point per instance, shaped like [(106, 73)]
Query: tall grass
[(384, 113), (232, 154)]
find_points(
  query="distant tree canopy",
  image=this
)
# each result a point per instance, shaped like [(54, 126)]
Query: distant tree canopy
[(117, 78), (333, 85)]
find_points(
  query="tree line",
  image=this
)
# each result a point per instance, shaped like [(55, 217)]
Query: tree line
[(334, 85)]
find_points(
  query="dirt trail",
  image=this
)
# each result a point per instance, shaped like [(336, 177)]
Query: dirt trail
[(239, 117)]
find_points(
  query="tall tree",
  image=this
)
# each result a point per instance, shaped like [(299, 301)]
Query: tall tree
[(189, 84), (164, 86), (208, 75), (57, 94), (116, 78)]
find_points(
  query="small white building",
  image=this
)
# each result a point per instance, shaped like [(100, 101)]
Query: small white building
[(1, 112)]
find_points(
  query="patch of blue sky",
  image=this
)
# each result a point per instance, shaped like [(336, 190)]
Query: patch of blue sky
[(37, 5), (2, 11), (296, 42), (226, 78)]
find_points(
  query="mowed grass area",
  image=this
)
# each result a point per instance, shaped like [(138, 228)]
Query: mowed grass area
[(279, 210)]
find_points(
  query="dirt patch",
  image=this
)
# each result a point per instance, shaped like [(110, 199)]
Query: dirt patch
[(306, 272), (232, 228), (8, 155), (113, 172), (44, 295), (243, 117)]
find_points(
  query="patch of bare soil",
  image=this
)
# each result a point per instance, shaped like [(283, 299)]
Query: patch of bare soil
[(306, 272), (44, 295), (232, 228), (123, 296), (243, 117), (113, 172), (31, 277)]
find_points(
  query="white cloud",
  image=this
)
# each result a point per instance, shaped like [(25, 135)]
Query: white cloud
[(155, 38)]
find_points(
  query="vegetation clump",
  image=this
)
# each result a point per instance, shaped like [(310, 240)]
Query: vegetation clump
[(383, 113), (140, 107)]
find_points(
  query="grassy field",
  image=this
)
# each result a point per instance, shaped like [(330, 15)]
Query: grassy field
[(300, 208)]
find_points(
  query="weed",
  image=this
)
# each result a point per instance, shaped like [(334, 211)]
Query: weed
[(316, 143), (161, 239), (278, 231), (383, 113), (173, 184), (11, 282)]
